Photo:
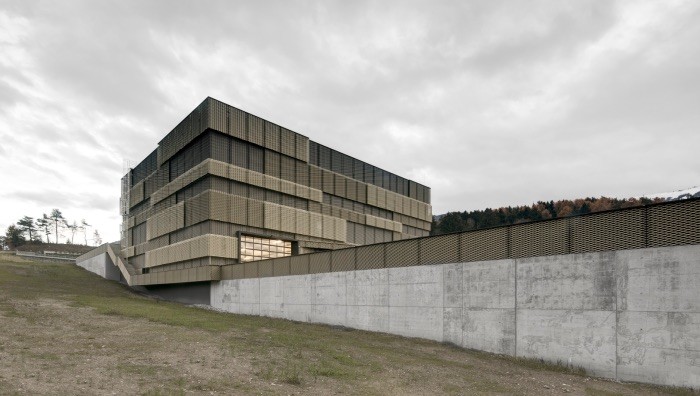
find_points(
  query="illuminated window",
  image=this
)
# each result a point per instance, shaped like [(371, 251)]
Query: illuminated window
[(256, 248)]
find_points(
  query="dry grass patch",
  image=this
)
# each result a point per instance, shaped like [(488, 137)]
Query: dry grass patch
[(64, 330)]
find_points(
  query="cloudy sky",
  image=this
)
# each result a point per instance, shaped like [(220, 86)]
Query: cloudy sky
[(490, 103)]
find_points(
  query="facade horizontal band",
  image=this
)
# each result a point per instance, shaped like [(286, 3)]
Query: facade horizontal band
[(208, 245)]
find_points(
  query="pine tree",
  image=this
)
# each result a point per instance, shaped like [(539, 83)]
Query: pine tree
[(26, 224), (57, 219), (44, 224)]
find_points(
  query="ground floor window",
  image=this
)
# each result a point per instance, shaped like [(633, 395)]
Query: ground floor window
[(254, 248)]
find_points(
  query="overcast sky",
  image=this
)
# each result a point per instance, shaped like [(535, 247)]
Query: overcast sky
[(490, 103)]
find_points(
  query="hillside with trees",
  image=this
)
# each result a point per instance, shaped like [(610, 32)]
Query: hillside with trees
[(29, 233), (477, 219)]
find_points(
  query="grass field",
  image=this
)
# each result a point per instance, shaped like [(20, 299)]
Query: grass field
[(64, 330)]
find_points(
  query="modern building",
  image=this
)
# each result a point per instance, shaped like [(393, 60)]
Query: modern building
[(225, 187)]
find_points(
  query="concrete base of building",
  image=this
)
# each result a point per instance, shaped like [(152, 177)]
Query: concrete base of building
[(631, 315), (186, 293)]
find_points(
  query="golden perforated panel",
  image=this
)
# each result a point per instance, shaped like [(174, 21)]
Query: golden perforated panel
[(256, 134), (166, 221), (607, 231), (137, 194), (265, 268), (203, 246), (675, 224), (250, 270), (441, 249), (302, 148), (343, 260), (539, 239), (402, 254), (299, 265), (281, 266), (320, 262), (272, 216), (370, 257), (483, 245), (272, 136)]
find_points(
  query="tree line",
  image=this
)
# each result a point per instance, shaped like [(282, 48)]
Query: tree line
[(30, 230), (542, 210)]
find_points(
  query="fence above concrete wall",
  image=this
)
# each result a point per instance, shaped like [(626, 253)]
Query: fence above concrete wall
[(666, 224)]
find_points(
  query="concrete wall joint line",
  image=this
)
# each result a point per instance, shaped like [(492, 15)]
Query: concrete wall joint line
[(515, 305)]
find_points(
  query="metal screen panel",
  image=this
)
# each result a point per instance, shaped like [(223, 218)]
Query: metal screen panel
[(186, 131), (343, 260), (250, 270), (402, 254), (302, 148), (372, 195), (272, 163), (608, 231), (539, 239), (362, 192), (328, 181), (281, 266), (328, 227), (484, 245), (272, 136), (287, 219), (238, 210), (299, 265), (166, 221), (676, 224), (351, 189), (316, 225), (265, 268), (217, 116), (287, 142), (302, 174), (440, 249), (272, 216), (237, 123), (302, 222), (339, 188), (315, 178), (370, 257), (255, 213), (219, 206), (381, 198), (320, 262), (256, 133), (233, 271)]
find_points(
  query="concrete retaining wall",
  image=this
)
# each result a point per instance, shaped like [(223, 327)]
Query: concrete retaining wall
[(632, 315), (101, 265)]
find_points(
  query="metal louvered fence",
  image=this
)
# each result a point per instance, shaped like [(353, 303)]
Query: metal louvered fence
[(665, 224)]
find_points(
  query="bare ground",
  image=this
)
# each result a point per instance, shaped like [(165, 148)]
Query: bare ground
[(66, 331)]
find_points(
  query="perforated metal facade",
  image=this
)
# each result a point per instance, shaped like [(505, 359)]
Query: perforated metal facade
[(224, 173)]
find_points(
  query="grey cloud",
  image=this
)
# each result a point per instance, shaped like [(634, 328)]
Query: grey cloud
[(342, 72), (43, 198)]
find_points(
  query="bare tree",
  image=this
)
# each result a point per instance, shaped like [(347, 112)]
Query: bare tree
[(83, 227), (73, 228), (96, 238)]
